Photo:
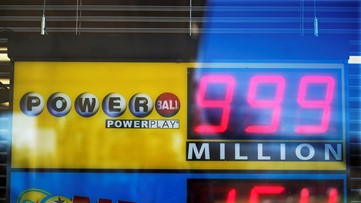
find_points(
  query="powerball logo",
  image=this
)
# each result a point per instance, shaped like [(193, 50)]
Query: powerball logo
[(113, 105)]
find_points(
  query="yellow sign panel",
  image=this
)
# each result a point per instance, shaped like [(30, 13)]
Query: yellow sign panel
[(82, 132)]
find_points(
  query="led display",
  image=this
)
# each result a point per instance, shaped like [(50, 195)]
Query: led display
[(253, 103), (253, 191)]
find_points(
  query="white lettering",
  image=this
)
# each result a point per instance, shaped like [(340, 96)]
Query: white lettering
[(192, 149), (173, 123), (144, 124), (311, 152), (118, 124), (283, 152), (222, 154), (165, 105), (237, 153), (127, 123), (336, 155), (136, 124), (109, 123), (260, 153), (165, 124)]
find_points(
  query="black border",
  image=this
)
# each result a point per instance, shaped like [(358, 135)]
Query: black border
[(198, 171), (9, 151), (115, 48)]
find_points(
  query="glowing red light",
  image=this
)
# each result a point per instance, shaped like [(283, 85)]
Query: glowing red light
[(333, 196), (314, 104), (213, 114), (224, 104), (231, 197), (274, 104), (269, 190), (304, 196)]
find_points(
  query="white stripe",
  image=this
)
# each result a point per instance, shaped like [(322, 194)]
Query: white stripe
[(354, 60)]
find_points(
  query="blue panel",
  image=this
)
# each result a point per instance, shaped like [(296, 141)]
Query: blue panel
[(268, 30), (242, 47)]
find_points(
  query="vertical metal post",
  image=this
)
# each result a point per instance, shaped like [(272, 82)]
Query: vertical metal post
[(43, 21), (190, 17), (302, 17), (80, 9), (315, 21), (76, 17)]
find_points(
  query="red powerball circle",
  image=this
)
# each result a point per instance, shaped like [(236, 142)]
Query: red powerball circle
[(167, 104)]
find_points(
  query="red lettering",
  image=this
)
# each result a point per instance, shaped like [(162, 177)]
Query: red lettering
[(79, 199)]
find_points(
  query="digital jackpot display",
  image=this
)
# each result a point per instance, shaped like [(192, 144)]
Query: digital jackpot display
[(178, 132), (229, 103), (267, 104)]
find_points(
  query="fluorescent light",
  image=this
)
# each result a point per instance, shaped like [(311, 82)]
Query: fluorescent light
[(354, 60), (5, 104), (5, 81), (4, 57)]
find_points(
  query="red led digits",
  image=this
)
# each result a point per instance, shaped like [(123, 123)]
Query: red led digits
[(214, 101), (275, 103), (258, 190), (305, 195), (223, 104), (231, 197), (313, 104), (302, 190), (332, 195)]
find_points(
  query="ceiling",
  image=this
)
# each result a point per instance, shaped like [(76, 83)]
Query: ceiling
[(79, 17), (89, 16)]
